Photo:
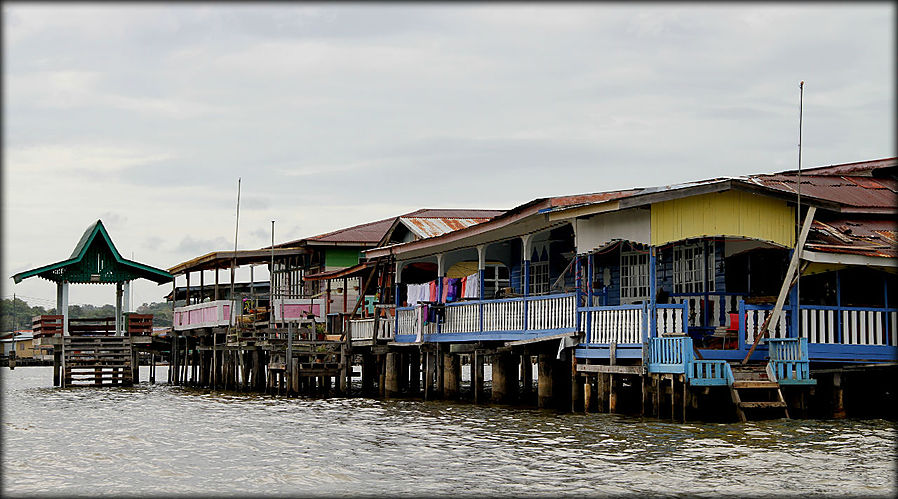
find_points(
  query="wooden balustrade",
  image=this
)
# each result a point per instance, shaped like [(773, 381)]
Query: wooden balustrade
[(619, 324)]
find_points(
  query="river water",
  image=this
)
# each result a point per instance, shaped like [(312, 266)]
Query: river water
[(164, 440)]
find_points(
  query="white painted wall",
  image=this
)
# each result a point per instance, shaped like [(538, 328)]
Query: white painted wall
[(630, 225)]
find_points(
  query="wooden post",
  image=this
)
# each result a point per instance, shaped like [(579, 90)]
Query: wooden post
[(577, 388), (367, 374), (391, 377), (429, 369), (612, 393), (382, 378), (544, 386), (527, 375), (838, 397), (440, 372), (601, 398), (477, 376), (451, 375), (57, 364), (587, 395), (414, 376)]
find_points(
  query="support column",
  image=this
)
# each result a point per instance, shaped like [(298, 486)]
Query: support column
[(527, 375), (65, 312), (216, 284), (477, 376), (505, 378), (451, 375), (545, 386), (526, 249), (119, 330), (392, 375), (587, 394), (414, 376), (838, 397)]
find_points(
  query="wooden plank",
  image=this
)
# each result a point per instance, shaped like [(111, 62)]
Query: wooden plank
[(541, 339), (762, 405), (613, 369), (754, 384)]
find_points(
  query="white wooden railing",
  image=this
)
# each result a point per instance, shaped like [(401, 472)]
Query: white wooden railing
[(462, 318), (717, 308), (670, 319), (363, 329), (508, 314), (616, 324), (503, 315), (754, 319), (849, 325), (551, 312)]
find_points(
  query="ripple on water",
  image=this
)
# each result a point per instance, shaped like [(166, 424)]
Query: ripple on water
[(173, 440)]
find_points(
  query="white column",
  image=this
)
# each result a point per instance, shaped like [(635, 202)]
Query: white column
[(441, 265), (126, 297), (481, 257), (118, 309), (65, 308)]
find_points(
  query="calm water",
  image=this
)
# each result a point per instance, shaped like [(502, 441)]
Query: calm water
[(161, 440)]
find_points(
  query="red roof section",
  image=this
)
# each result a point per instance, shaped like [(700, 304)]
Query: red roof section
[(867, 237), (855, 191), (371, 233)]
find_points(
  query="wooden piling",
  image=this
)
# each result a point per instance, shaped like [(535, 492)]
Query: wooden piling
[(451, 376)]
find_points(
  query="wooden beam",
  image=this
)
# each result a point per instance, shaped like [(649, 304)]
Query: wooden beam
[(615, 369)]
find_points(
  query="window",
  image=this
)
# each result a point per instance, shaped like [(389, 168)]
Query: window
[(690, 273), (539, 278), (495, 277), (634, 276)]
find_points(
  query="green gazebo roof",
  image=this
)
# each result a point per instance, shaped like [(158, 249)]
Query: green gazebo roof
[(95, 260)]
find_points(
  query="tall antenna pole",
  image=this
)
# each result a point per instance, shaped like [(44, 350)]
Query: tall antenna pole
[(234, 259), (798, 209), (271, 288)]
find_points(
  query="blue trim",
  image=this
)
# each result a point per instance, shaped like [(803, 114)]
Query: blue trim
[(838, 304), (653, 289), (484, 336), (602, 351)]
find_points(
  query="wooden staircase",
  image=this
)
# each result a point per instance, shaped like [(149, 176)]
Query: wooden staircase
[(754, 393), (97, 361)]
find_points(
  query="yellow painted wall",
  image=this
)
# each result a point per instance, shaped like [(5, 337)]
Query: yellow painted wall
[(729, 213), (462, 269)]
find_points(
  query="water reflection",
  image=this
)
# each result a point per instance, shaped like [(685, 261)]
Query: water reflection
[(156, 439)]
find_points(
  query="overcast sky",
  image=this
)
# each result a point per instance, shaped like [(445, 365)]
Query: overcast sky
[(145, 115)]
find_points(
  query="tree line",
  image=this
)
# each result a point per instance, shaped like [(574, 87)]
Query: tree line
[(16, 314)]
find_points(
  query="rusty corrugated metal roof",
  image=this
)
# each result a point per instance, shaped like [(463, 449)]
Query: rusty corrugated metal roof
[(858, 236), (855, 191), (424, 227), (371, 233)]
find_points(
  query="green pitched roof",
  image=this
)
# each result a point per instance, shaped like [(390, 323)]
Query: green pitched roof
[(95, 260)]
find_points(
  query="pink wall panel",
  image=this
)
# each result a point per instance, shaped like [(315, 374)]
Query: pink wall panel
[(299, 311)]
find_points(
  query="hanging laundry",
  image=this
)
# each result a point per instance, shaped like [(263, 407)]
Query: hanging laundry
[(453, 289), (472, 286), (433, 297)]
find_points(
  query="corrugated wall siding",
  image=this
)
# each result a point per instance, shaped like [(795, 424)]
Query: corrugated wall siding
[(730, 213)]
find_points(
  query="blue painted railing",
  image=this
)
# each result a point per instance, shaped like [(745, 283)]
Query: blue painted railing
[(789, 363), (669, 354), (709, 373)]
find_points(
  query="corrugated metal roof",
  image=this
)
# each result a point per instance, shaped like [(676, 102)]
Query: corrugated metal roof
[(867, 237), (371, 233), (859, 191), (424, 227)]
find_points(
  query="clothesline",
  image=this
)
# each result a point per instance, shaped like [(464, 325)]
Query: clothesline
[(454, 289)]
